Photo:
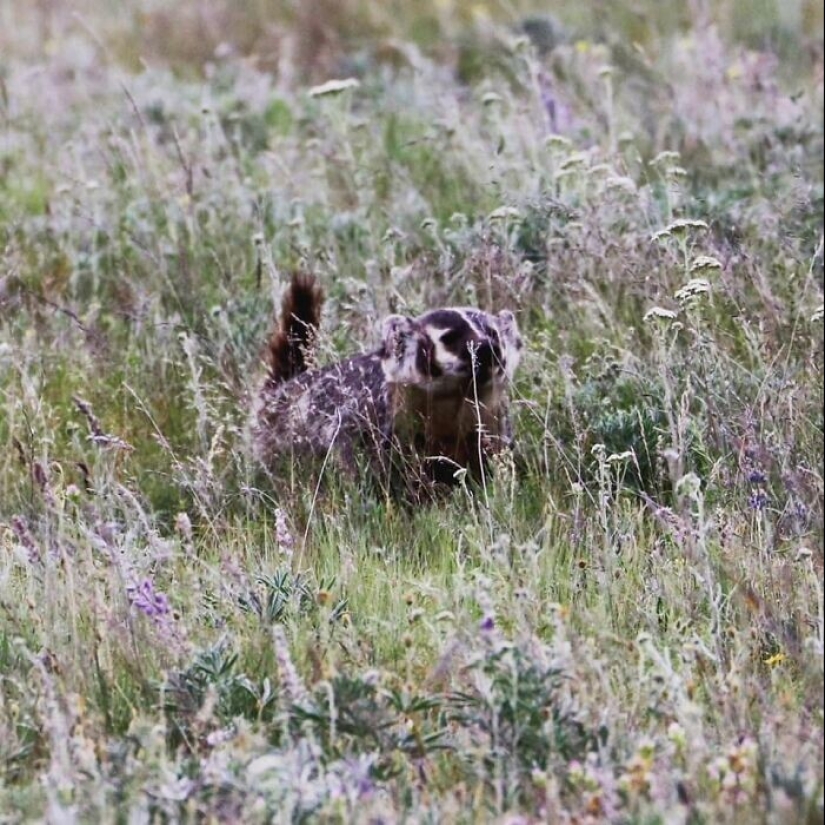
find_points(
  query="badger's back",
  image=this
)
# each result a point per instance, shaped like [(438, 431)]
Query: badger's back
[(343, 405)]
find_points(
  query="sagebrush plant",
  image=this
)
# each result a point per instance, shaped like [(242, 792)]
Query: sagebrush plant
[(622, 622)]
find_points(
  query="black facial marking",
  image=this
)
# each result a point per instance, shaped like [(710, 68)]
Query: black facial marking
[(483, 360), (444, 319), (425, 362), (452, 339)]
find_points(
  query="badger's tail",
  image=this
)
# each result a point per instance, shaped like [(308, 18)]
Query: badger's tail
[(293, 339)]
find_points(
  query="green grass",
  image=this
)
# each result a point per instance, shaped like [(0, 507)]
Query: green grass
[(625, 623)]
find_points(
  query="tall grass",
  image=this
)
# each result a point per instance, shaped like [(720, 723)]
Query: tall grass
[(624, 623)]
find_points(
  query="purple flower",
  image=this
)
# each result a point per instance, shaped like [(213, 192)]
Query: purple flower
[(145, 598), (758, 500), (487, 624), (285, 540), (757, 477)]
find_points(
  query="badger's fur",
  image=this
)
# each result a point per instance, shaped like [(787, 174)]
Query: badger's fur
[(429, 401)]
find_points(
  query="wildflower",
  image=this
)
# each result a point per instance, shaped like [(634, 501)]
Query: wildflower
[(703, 262), (692, 289), (147, 600), (487, 624), (622, 182), (175, 789), (800, 511), (575, 160), (758, 500), (618, 458), (756, 477), (183, 525), (678, 228), (666, 158), (659, 313), (742, 757), (24, 535), (776, 659), (503, 213), (291, 683), (689, 485), (284, 539), (490, 98), (637, 775), (676, 734), (333, 87), (598, 450)]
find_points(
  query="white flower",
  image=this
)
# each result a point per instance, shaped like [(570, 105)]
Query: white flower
[(616, 458), (665, 158), (705, 262), (284, 539), (502, 213), (559, 141), (689, 485), (491, 98), (678, 227), (655, 313), (692, 289), (334, 87), (620, 182), (262, 765), (575, 160)]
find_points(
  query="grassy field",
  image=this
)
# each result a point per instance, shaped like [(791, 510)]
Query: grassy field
[(624, 623)]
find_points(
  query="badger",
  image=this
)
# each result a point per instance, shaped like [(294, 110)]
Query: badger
[(429, 402)]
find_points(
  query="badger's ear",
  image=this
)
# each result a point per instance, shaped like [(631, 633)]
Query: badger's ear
[(507, 323), (394, 332), (399, 343), (510, 340)]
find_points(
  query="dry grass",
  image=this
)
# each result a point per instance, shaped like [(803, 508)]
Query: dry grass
[(625, 625)]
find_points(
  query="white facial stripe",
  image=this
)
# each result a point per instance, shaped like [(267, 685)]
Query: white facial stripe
[(448, 361)]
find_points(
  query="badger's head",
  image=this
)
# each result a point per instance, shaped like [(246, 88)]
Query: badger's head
[(449, 348)]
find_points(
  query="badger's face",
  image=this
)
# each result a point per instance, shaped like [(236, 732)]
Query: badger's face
[(447, 348)]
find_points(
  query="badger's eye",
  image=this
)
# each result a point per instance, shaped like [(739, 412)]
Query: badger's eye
[(452, 339)]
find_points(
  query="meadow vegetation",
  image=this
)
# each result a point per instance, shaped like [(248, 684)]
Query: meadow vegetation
[(624, 623)]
